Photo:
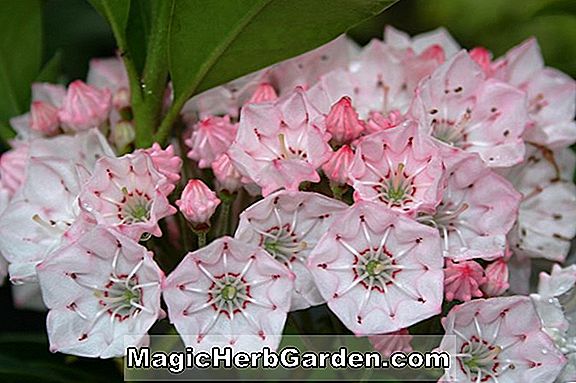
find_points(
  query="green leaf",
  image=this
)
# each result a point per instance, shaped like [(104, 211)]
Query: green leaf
[(51, 69), (212, 42), (116, 12), (20, 55)]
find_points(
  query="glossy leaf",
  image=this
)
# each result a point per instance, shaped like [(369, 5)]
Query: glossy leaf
[(212, 42), (20, 56)]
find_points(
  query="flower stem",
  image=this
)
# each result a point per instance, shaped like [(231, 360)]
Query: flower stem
[(201, 238)]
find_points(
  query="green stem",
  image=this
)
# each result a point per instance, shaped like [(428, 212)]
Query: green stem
[(224, 218), (337, 190), (169, 120), (201, 238)]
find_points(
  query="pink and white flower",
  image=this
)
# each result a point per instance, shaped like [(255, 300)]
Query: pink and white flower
[(280, 145), (547, 217), (40, 215), (462, 280), (499, 339), (84, 106), (99, 289), (398, 167), (418, 44), (555, 303), (288, 225), (550, 93), (210, 138), (197, 202), (478, 209), (229, 293), (127, 194), (460, 107), (381, 271)]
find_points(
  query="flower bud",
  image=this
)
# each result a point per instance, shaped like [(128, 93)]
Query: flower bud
[(337, 168), (197, 202), (263, 93), (342, 121), (44, 118), (226, 174), (123, 134), (496, 282), (84, 106)]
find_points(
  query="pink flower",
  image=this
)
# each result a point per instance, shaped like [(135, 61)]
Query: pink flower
[(499, 339), (483, 58), (166, 162), (13, 167), (547, 217), (229, 293), (288, 225), (227, 176), (265, 92), (459, 107), (550, 93), (280, 145), (210, 138), (343, 123), (462, 280), (496, 281), (477, 211), (100, 289), (398, 167), (84, 106), (337, 169), (197, 202), (387, 344), (555, 305), (128, 194), (41, 215), (380, 271)]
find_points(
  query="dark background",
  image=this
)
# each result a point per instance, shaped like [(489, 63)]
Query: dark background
[(77, 33)]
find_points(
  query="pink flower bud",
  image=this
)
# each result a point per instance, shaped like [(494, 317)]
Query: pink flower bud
[(342, 121), (263, 93), (337, 168), (121, 99), (226, 174), (84, 106), (197, 202), (44, 118), (378, 122), (483, 57), (13, 167), (166, 162), (211, 137), (496, 282), (462, 280)]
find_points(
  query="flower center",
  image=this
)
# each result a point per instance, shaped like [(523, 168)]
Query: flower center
[(376, 268), (228, 292), (289, 153), (282, 243), (479, 358), (121, 296), (396, 190), (451, 132), (135, 206)]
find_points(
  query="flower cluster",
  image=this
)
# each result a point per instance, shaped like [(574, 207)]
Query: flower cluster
[(389, 182)]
